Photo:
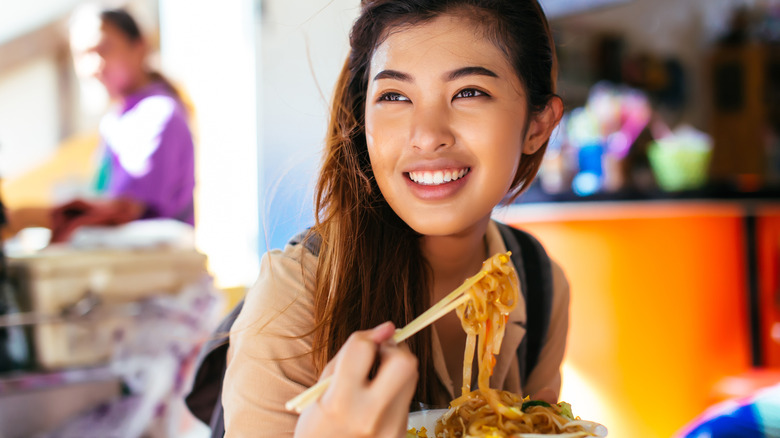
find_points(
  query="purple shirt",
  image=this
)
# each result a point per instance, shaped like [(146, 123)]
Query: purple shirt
[(150, 153)]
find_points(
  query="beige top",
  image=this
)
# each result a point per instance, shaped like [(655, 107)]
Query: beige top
[(269, 360)]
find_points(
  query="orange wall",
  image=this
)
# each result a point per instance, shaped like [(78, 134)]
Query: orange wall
[(658, 311), (768, 231)]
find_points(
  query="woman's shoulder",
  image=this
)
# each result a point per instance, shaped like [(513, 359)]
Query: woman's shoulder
[(284, 288)]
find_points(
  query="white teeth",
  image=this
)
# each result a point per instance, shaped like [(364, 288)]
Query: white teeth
[(437, 177)]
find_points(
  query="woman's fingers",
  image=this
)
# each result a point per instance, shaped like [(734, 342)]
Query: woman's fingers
[(353, 363), (355, 406), (397, 376), (359, 352), (397, 372), (383, 332), (377, 335)]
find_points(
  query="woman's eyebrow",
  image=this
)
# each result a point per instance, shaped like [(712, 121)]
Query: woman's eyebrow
[(393, 74), (469, 71), (449, 76)]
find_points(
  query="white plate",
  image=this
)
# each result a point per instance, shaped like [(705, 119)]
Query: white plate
[(428, 419), (425, 419)]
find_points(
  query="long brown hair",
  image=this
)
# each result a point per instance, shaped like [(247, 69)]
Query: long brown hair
[(371, 268)]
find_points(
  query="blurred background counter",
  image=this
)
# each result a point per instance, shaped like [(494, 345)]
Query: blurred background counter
[(675, 304), (100, 340)]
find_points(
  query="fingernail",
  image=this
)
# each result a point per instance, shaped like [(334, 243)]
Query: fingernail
[(383, 326)]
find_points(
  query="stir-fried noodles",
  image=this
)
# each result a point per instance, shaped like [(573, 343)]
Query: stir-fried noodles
[(487, 412), (494, 414), (485, 315)]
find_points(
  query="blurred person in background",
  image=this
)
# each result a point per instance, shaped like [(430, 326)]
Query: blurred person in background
[(147, 165)]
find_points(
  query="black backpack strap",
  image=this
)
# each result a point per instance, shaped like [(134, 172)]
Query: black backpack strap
[(3, 223), (311, 241), (205, 397), (535, 272)]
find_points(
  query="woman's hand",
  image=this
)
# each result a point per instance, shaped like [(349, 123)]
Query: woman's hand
[(78, 213), (353, 405)]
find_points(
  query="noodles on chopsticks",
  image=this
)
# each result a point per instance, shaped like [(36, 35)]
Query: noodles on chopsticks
[(487, 412), (484, 317)]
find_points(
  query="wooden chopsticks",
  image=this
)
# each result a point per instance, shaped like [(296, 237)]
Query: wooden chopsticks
[(446, 305)]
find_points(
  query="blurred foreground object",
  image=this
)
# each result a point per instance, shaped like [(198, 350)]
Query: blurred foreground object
[(755, 416), (115, 320), (78, 299)]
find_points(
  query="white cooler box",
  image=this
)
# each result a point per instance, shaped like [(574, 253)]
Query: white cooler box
[(53, 281)]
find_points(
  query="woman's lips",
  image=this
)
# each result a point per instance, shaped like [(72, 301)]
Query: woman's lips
[(434, 185)]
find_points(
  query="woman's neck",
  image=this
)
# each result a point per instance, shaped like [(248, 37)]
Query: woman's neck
[(142, 80), (454, 258)]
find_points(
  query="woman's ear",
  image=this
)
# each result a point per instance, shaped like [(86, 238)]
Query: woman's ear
[(542, 125)]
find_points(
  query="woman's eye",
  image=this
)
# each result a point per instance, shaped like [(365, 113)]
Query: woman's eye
[(470, 92), (392, 97)]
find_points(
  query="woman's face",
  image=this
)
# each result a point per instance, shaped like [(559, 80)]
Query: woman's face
[(445, 125), (102, 51)]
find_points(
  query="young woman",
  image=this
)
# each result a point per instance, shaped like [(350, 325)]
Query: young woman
[(442, 111), (148, 164)]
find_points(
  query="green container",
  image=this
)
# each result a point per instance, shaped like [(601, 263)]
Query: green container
[(679, 164)]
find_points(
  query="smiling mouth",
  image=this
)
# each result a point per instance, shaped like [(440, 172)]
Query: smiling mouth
[(437, 177)]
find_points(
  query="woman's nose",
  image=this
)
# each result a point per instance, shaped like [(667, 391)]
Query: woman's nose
[(431, 130)]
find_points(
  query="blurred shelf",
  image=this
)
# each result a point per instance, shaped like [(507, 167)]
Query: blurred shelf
[(715, 192), (536, 206), (33, 403), (22, 381)]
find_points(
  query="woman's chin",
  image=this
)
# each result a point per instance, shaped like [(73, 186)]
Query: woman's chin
[(450, 225)]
